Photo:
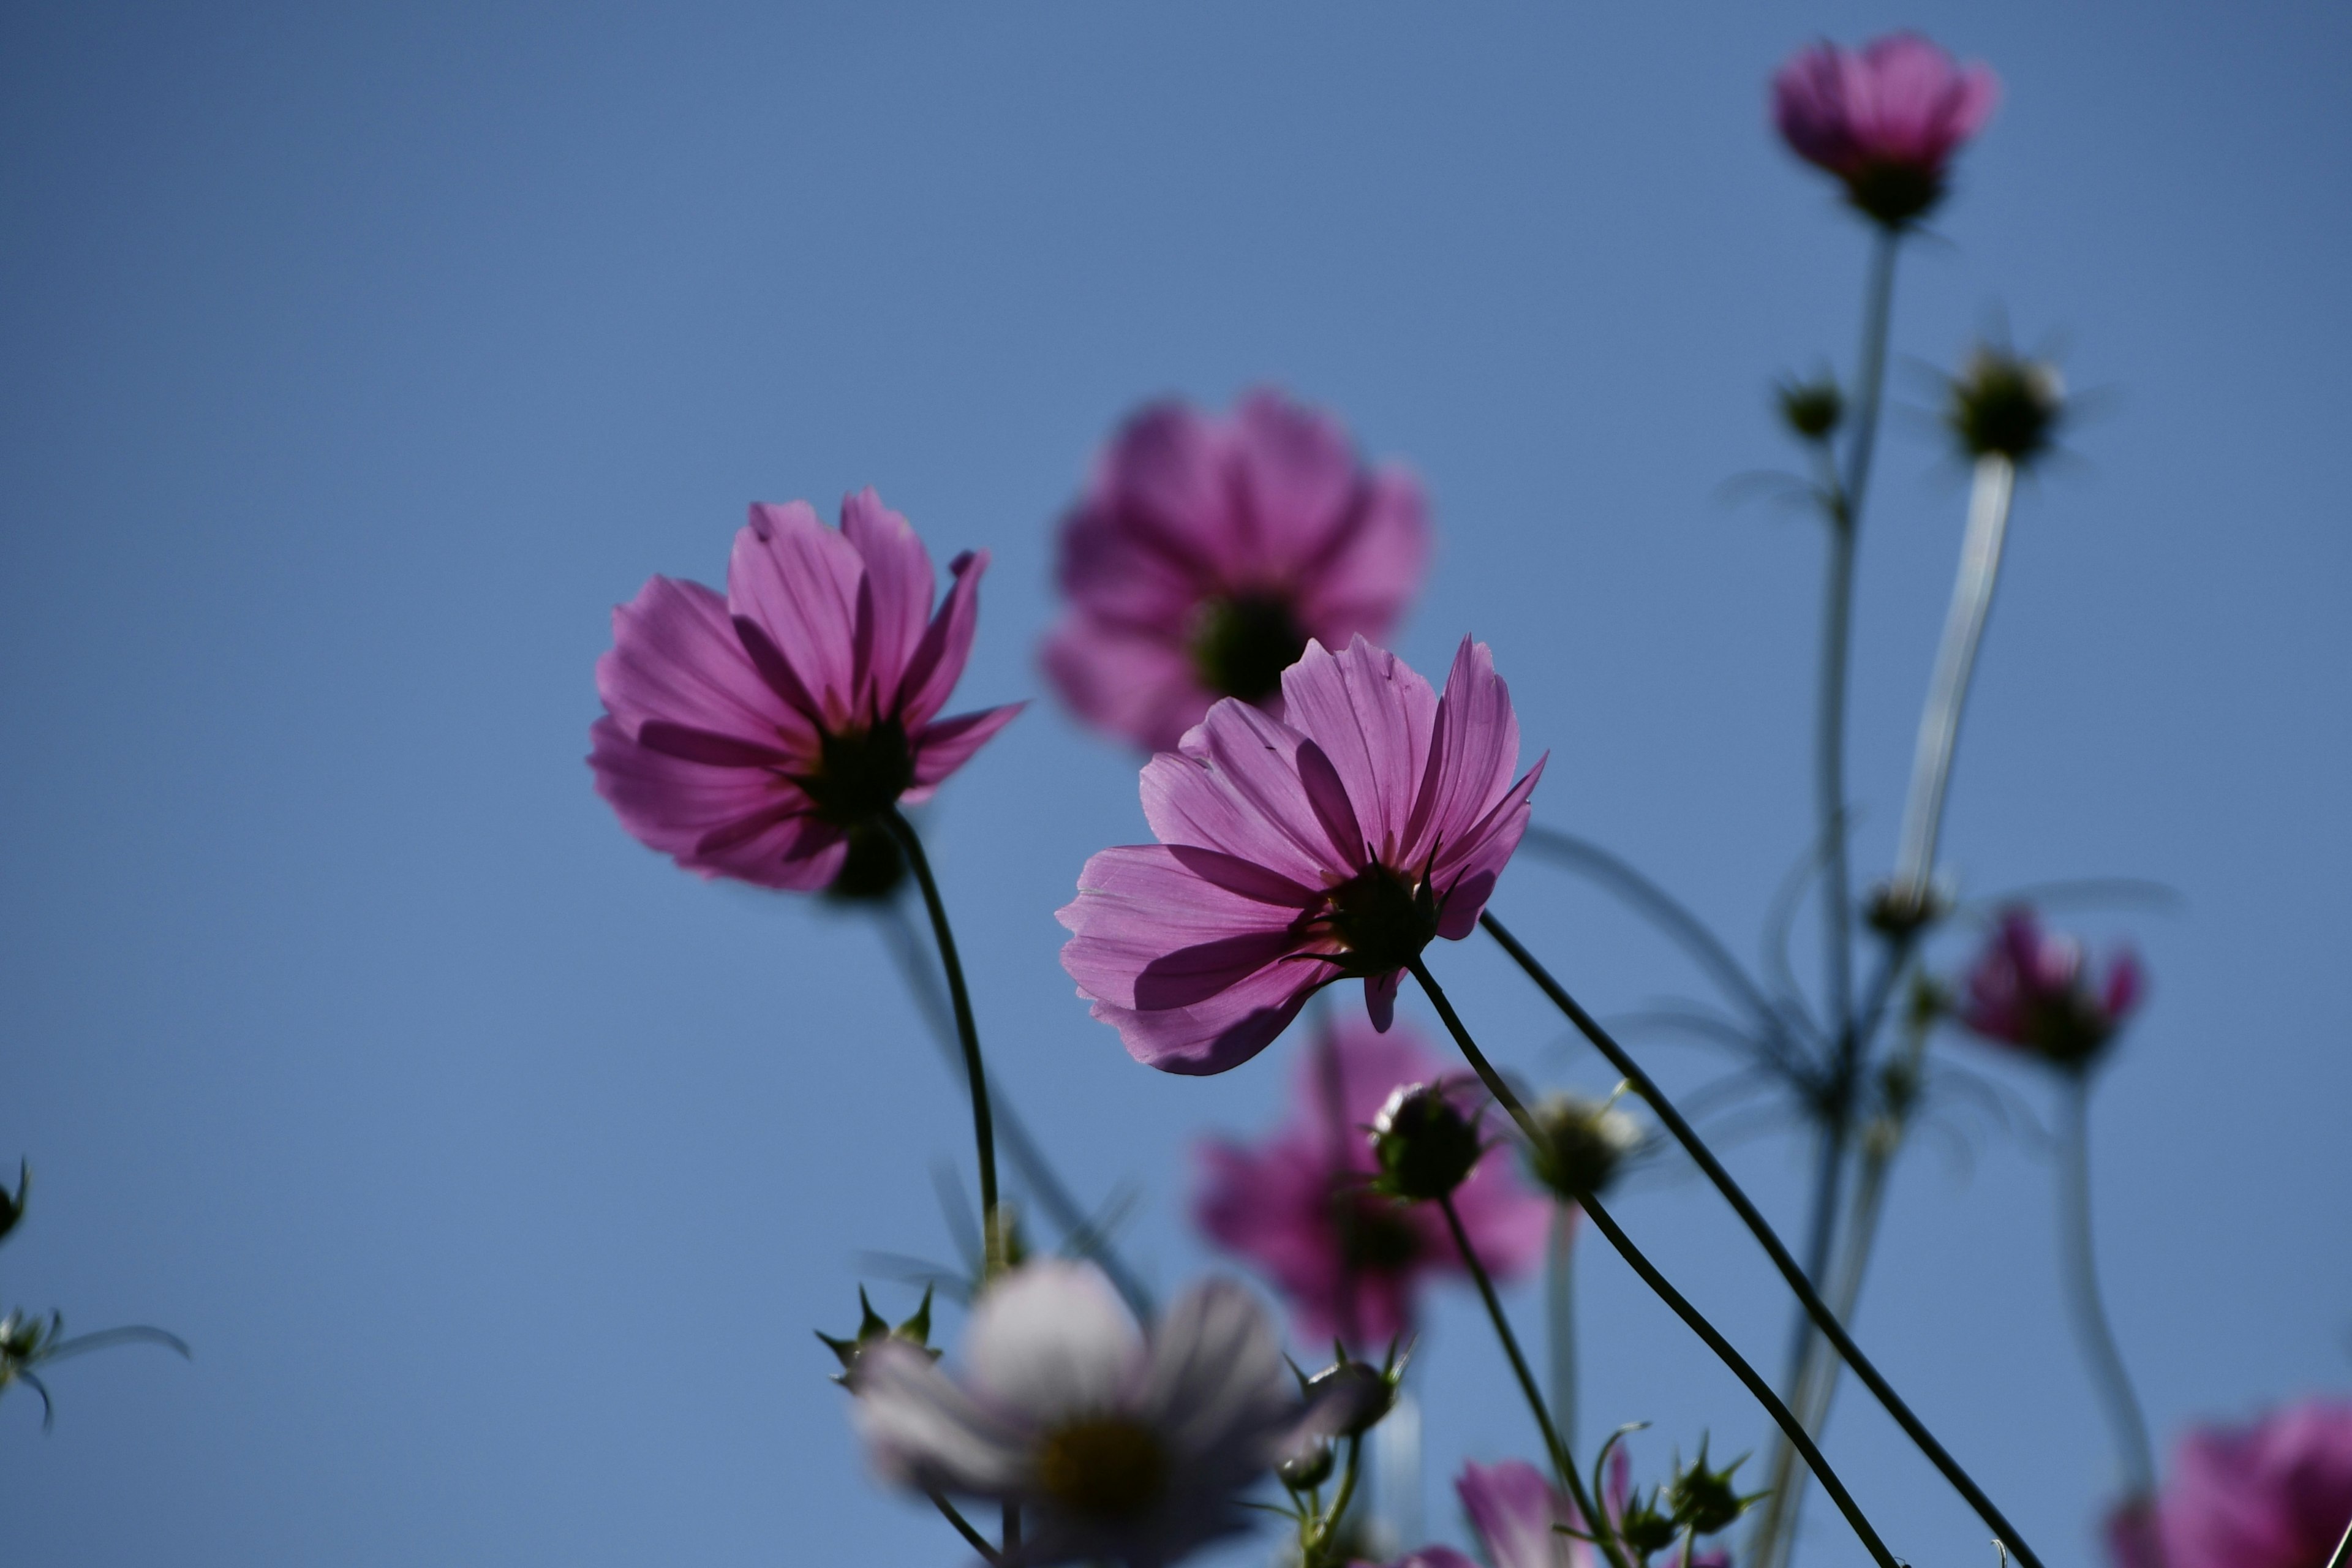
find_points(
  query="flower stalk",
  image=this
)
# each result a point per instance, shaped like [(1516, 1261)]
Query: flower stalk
[(1761, 1229), (2079, 1258)]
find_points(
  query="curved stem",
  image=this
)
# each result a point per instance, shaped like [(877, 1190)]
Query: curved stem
[(1562, 1461), (2080, 1261), (1318, 1556), (973, 1538), (1657, 1282), (984, 1126), (1948, 688), (1758, 1226)]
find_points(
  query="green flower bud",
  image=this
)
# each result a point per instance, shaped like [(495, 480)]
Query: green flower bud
[(1425, 1147), (2005, 405), (1350, 1397), (1584, 1143), (1704, 1500), (1307, 1468), (872, 1329), (1814, 408)]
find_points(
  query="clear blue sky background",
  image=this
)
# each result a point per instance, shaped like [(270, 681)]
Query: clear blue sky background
[(355, 359)]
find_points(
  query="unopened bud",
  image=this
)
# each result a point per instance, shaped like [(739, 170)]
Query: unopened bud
[(1813, 409), (1705, 1502), (872, 1329), (1350, 1396), (1307, 1468), (1426, 1146), (1583, 1144), (12, 1205), (2004, 405)]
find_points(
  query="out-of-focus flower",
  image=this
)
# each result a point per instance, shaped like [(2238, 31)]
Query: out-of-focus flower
[(1516, 1514), (1117, 1447), (746, 736), (1811, 409), (1294, 852), (2005, 405), (1299, 1205), (1885, 120), (1207, 551), (2276, 1494), (2030, 989), (1584, 1145)]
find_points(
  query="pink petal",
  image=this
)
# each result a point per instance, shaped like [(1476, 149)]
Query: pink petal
[(1294, 479), (1221, 1034), (758, 822), (1373, 564), (897, 587), (1466, 874), (1150, 537), (1380, 998), (676, 658), (943, 747), (1155, 927), (798, 580), (1235, 786), (1140, 687), (1513, 1509), (1470, 761), (939, 659), (1371, 715)]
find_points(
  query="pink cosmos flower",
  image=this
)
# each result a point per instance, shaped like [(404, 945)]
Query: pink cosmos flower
[(1207, 551), (2029, 989), (1516, 1510), (1349, 1262), (1293, 852), (2277, 1494), (1886, 121), (745, 736)]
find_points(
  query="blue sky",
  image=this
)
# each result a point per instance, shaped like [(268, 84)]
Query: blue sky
[(354, 361)]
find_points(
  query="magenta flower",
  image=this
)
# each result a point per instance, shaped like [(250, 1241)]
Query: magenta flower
[(1350, 1263), (1295, 852), (745, 736), (1207, 552), (1886, 121), (2029, 990), (2277, 1494)]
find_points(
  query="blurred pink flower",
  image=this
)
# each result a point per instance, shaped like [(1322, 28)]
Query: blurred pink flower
[(1207, 551), (1350, 1263), (1886, 120), (1514, 1508), (2029, 989), (1294, 853), (2277, 1494), (744, 736)]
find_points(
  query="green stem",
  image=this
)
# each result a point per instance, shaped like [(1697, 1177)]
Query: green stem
[(1691, 1316), (1562, 1461), (1559, 1301), (1758, 1226), (2125, 1418), (973, 1538), (1328, 1535), (984, 1127)]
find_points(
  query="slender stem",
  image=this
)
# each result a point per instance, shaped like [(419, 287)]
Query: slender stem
[(1021, 1150), (984, 1127), (1948, 689), (2343, 1558), (1562, 1461), (1829, 772), (1329, 1533), (1012, 1527), (2080, 1260), (1559, 1301), (973, 1538), (1827, 1320)]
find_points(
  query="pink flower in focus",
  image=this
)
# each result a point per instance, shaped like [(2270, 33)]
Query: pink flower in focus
[(2029, 989), (2277, 1494), (1886, 121), (1207, 551), (1349, 1262), (745, 736), (1298, 851)]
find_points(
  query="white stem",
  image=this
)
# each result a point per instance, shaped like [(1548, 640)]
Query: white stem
[(1560, 1299), (1947, 691)]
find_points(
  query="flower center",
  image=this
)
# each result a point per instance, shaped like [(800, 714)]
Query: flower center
[(1104, 1467), (861, 773), (1384, 921), (1375, 1237), (1241, 645), (1895, 192)]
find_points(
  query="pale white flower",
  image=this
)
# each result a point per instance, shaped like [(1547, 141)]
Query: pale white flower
[(1116, 1445)]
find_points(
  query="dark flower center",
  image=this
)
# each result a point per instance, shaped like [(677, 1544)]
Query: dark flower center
[(1384, 921), (1103, 1466), (2066, 1030), (1375, 1235), (2005, 405), (1894, 194), (1241, 645), (861, 773)]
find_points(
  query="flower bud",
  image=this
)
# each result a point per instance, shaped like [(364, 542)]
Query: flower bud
[(1813, 409), (1704, 1500), (1350, 1397), (872, 1329), (12, 1205), (1424, 1145), (1583, 1143), (1644, 1527), (2004, 405), (1902, 912), (1307, 1468)]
